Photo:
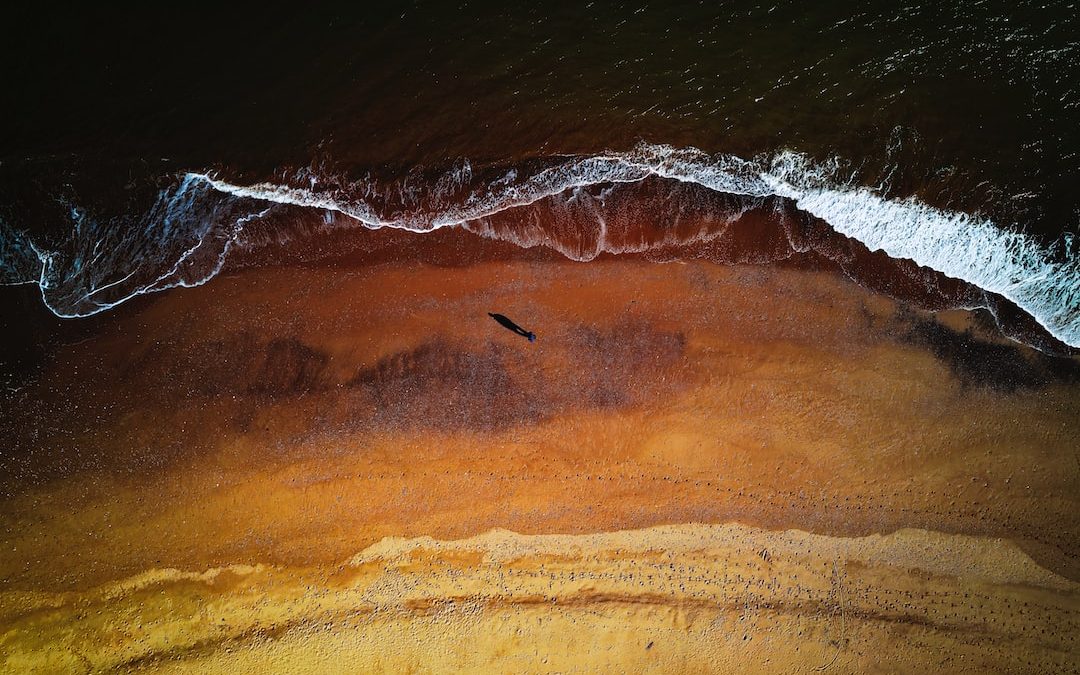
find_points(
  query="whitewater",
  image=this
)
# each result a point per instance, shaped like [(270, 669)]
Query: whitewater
[(186, 237)]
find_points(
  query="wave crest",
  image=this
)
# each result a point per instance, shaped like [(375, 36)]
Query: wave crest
[(185, 238)]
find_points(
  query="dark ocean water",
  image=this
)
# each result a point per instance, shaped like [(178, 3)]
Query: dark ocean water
[(148, 149)]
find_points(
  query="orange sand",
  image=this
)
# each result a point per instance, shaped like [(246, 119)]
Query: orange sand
[(275, 423)]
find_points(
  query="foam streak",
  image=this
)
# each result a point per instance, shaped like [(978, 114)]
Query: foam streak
[(959, 245)]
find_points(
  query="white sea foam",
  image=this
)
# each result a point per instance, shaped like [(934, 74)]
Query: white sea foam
[(959, 245)]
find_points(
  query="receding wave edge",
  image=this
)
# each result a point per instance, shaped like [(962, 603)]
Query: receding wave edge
[(187, 235)]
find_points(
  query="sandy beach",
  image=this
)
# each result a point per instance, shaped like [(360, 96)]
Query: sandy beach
[(787, 471)]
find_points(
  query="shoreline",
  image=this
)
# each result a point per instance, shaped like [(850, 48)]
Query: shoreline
[(725, 229)]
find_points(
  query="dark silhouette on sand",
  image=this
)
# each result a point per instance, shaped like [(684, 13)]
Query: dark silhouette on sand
[(507, 323)]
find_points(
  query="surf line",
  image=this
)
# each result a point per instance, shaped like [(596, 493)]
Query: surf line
[(959, 245)]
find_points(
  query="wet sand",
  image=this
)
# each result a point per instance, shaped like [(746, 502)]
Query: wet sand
[(744, 467)]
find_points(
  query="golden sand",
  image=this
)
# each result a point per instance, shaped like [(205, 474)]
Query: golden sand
[(896, 510), (672, 598)]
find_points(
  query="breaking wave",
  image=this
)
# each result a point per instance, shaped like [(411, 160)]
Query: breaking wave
[(186, 237)]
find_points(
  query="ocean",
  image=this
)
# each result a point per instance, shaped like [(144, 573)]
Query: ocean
[(163, 147)]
